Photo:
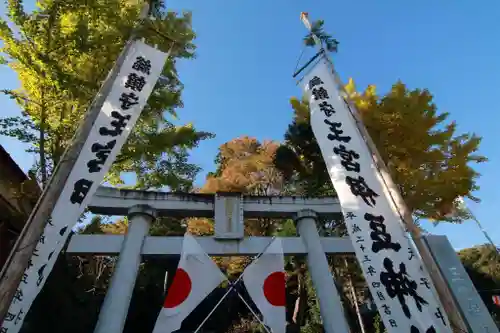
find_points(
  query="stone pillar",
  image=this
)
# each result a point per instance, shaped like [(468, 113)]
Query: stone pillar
[(114, 310), (330, 305)]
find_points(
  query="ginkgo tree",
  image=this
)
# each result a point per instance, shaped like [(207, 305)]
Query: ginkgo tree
[(430, 162), (61, 53)]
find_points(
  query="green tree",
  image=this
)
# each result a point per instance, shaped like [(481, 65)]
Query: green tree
[(62, 51), (430, 162), (482, 263), (245, 165)]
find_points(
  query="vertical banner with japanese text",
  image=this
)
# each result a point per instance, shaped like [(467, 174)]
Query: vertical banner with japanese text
[(398, 282), (128, 95)]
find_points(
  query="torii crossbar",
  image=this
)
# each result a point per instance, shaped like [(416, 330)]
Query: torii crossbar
[(110, 201)]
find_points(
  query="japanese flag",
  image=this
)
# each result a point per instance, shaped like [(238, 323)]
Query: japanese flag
[(265, 282), (196, 276)]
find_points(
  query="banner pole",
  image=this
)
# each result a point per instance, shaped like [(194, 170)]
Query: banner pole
[(397, 200), (20, 255)]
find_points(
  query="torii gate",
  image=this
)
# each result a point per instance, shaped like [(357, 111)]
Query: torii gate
[(228, 210), (90, 164)]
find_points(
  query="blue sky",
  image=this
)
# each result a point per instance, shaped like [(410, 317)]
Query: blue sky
[(241, 81)]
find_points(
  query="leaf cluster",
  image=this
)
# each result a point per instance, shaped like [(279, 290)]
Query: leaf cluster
[(430, 162), (62, 52)]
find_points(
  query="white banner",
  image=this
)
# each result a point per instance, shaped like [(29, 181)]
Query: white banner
[(121, 109), (398, 282)]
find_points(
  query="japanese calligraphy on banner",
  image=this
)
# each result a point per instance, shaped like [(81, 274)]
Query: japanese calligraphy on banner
[(400, 286), (120, 111)]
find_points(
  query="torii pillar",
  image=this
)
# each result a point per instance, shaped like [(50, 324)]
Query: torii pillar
[(330, 307), (114, 310)]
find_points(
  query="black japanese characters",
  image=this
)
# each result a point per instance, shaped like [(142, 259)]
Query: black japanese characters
[(399, 284), (349, 216), (355, 228), (425, 282), (359, 188), (439, 315), (142, 65), (102, 152), (18, 296), (348, 158), (382, 240), (315, 81), (411, 254), (414, 329), (80, 190), (320, 93), (128, 100), (135, 82), (326, 108), (118, 124), (63, 230), (15, 317), (41, 275), (41, 240), (336, 132)]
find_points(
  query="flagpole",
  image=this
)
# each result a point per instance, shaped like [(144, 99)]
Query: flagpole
[(252, 311), (462, 205), (232, 286), (485, 233), (395, 195)]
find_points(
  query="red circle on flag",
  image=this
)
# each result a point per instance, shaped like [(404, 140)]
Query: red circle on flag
[(274, 289), (179, 290)]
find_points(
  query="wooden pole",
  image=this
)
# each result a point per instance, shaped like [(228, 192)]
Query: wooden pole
[(397, 200), (354, 297), (20, 255)]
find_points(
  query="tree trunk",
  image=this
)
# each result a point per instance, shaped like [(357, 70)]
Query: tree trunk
[(43, 164), (43, 161), (301, 301)]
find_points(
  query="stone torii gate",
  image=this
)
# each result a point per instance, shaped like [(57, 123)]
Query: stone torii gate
[(228, 211)]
